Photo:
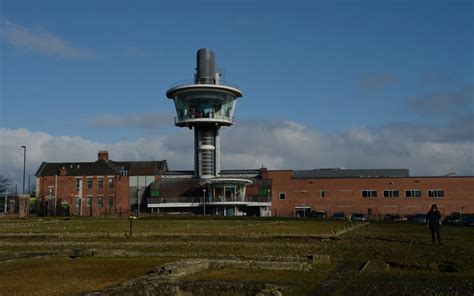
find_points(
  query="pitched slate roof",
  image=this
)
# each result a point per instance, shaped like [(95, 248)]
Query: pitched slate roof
[(350, 173), (102, 167)]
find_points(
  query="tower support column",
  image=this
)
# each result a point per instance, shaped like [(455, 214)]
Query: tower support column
[(206, 152)]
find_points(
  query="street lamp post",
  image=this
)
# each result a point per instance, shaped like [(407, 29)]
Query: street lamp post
[(6, 198), (304, 204), (24, 167), (204, 202), (16, 189), (138, 202)]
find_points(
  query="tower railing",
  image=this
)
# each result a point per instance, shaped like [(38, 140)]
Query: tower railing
[(203, 117), (191, 82), (198, 199)]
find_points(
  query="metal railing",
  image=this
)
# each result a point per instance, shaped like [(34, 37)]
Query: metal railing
[(209, 115), (191, 82), (195, 199)]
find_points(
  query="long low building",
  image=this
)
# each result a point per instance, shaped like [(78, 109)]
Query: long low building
[(106, 187), (374, 193)]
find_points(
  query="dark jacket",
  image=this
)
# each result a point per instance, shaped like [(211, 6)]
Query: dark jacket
[(433, 218)]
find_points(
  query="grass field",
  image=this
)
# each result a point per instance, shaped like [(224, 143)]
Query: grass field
[(36, 254)]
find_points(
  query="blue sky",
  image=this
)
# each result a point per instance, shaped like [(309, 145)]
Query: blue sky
[(97, 71)]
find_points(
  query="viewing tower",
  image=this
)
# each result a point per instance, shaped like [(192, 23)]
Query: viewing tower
[(205, 104)]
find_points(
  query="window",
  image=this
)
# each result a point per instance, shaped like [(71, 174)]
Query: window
[(155, 193), (100, 183), (78, 203), (89, 183), (282, 195), (50, 191), (391, 193), (78, 184), (111, 182), (413, 193), (437, 193), (124, 172), (100, 201), (88, 201), (323, 193), (369, 193)]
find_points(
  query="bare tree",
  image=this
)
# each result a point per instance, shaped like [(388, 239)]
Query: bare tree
[(4, 183)]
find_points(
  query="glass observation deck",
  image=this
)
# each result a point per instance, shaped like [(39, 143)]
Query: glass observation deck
[(204, 106), (204, 103)]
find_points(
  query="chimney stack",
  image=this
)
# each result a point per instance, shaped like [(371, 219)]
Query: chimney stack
[(103, 155)]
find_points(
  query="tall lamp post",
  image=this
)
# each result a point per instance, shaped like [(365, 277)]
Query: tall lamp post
[(304, 204), (204, 202), (24, 166), (6, 198)]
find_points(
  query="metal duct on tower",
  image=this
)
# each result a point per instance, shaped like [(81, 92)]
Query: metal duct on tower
[(206, 67)]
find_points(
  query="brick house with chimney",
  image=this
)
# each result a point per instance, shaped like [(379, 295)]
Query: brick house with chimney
[(96, 188)]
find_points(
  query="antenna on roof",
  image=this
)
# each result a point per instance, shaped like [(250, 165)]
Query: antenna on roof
[(450, 173)]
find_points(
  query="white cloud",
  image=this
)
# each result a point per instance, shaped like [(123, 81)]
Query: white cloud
[(275, 144), (40, 41), (146, 120)]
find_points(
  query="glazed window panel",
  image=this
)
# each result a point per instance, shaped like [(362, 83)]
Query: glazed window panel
[(436, 193), (369, 193), (100, 183), (391, 193), (282, 195), (100, 201), (413, 193), (78, 184)]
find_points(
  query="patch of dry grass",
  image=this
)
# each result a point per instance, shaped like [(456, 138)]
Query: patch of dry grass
[(61, 276)]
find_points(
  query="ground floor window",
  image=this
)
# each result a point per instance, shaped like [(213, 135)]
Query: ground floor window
[(302, 212), (88, 201), (100, 201)]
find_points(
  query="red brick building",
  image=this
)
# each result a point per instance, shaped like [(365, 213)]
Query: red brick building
[(95, 188), (370, 192), (112, 187)]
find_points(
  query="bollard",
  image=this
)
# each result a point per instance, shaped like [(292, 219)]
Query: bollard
[(131, 218)]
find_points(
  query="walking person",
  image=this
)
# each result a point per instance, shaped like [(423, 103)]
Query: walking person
[(433, 222)]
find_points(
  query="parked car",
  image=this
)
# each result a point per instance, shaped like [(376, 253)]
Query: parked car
[(338, 216), (390, 217), (358, 217), (318, 215), (417, 218), (468, 220), (453, 219)]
